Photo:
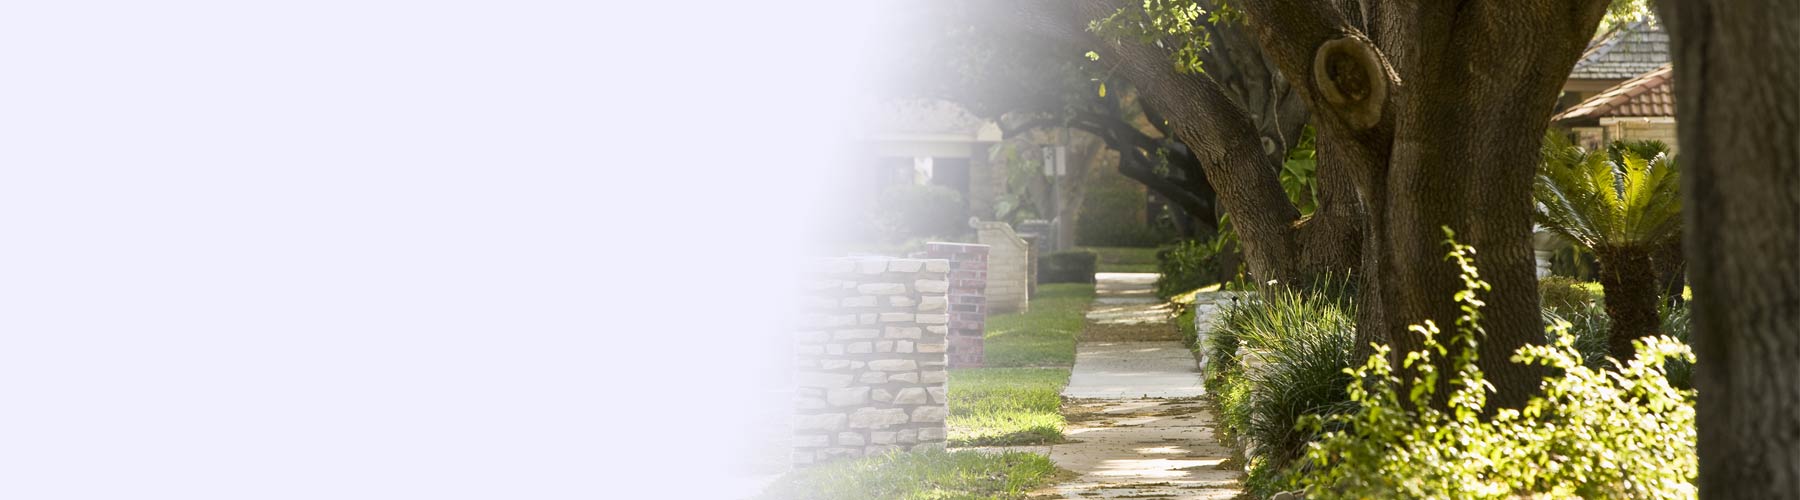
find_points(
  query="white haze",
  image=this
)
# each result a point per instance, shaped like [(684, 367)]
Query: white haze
[(395, 249)]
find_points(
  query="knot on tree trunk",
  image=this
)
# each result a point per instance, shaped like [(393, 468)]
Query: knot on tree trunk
[(1349, 75)]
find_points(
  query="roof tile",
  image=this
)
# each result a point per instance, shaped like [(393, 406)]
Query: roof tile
[(1650, 94)]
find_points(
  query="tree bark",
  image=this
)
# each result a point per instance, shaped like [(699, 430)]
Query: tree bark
[(1437, 109), (1631, 294), (1737, 64)]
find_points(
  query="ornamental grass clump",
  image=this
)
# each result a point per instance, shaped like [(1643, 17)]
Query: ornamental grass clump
[(1619, 432), (1274, 360)]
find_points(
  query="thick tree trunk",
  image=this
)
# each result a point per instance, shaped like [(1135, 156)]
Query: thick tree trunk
[(1438, 109), (1737, 64), (1631, 295), (1236, 126)]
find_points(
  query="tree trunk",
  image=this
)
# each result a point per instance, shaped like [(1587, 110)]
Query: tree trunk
[(1671, 271), (1631, 294), (1737, 100), (1437, 108)]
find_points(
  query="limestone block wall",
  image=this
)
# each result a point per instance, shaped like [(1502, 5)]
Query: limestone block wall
[(968, 304), (1207, 307), (1009, 263), (870, 354)]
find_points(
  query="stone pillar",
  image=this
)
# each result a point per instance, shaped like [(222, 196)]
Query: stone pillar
[(871, 358), (1009, 267), (968, 300)]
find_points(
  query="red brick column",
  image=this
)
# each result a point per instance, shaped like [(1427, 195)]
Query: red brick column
[(968, 300)]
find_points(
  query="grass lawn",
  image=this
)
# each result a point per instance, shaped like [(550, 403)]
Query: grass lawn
[(1125, 259), (1043, 336), (1006, 406), (1015, 399), (932, 475)]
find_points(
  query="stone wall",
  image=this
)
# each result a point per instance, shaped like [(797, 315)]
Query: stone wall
[(871, 358), (968, 302), (1009, 262), (1207, 307)]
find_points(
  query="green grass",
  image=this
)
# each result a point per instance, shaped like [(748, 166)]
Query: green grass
[(1125, 259), (1043, 336), (931, 475), (1006, 406), (1015, 399)]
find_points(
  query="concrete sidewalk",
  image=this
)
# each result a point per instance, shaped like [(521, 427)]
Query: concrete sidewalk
[(1135, 430), (1120, 370)]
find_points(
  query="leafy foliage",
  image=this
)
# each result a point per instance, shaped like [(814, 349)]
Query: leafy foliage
[(1563, 295), (1275, 360), (1175, 23), (1620, 12), (1300, 173), (1113, 215), (1073, 266), (1628, 195), (1620, 433), (1017, 203), (1192, 264), (1589, 326), (1186, 266)]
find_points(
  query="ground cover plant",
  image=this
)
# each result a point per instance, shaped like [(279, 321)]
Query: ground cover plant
[(931, 475), (1272, 361), (1275, 359), (1617, 432)]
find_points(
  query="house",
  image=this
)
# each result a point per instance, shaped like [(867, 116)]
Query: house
[(1621, 88), (934, 142)]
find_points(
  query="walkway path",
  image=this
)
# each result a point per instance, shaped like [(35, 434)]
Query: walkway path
[(1136, 427)]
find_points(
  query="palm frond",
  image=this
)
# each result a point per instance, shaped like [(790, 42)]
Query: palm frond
[(1626, 195)]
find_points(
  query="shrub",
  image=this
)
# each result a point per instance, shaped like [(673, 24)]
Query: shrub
[(1184, 267), (1592, 433), (1274, 361), (1074, 266), (1565, 295), (1588, 325), (1192, 264), (913, 211), (1113, 215)]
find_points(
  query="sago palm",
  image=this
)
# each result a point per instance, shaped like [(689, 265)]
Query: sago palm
[(1621, 204)]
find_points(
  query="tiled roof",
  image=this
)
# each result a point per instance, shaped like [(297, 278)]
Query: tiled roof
[(927, 116), (1650, 94), (1626, 51)]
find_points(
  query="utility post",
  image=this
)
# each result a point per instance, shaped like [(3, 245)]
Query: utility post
[(1055, 167)]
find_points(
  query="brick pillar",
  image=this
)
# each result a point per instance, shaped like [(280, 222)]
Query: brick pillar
[(870, 356), (968, 300)]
